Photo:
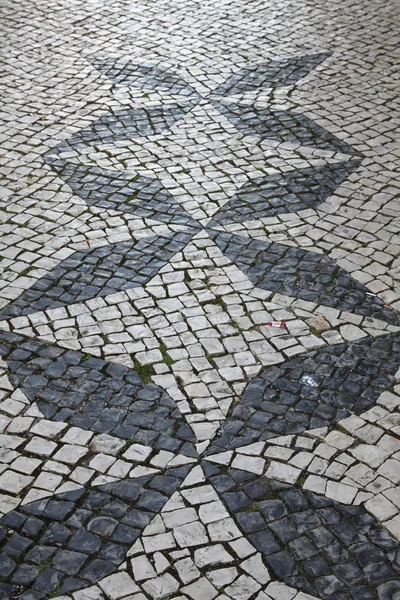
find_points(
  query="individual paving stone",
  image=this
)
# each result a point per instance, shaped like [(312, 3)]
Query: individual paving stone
[(118, 586), (301, 274), (280, 401), (283, 126), (69, 562), (201, 589), (310, 542), (11, 481), (116, 190), (244, 587), (276, 73), (142, 568), (99, 272), (279, 194), (162, 586), (97, 396), (212, 555), (126, 72), (190, 534), (88, 545)]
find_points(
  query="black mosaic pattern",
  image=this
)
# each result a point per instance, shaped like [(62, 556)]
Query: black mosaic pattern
[(301, 274), (312, 390), (94, 273), (289, 192), (75, 539), (148, 77), (276, 73), (314, 544), (273, 74), (282, 126), (141, 196), (127, 124), (95, 395), (273, 124)]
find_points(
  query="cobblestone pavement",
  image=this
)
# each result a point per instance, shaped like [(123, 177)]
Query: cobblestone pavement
[(179, 177)]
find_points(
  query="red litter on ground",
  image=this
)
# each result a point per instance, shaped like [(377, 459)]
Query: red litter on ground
[(276, 324)]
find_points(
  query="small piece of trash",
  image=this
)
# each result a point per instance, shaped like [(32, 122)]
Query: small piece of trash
[(308, 380), (43, 117), (276, 324), (388, 306)]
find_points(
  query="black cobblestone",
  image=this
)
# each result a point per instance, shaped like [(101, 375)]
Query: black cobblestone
[(347, 379), (313, 543)]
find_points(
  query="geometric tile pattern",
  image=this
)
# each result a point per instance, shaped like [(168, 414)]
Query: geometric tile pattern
[(278, 194), (275, 73), (302, 274), (312, 391), (98, 272), (310, 542), (199, 292), (70, 539)]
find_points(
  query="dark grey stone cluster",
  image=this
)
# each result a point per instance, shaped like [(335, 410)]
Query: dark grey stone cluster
[(115, 190), (95, 395), (283, 193), (324, 548), (313, 390), (148, 77), (282, 126), (126, 124), (301, 274), (274, 74), (75, 539), (100, 271)]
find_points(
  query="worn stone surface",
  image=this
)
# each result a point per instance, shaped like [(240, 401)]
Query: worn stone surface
[(199, 301)]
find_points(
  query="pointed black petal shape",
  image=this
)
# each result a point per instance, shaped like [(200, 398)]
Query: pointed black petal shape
[(94, 273), (150, 77), (85, 534), (282, 126), (93, 394), (320, 546), (276, 73), (118, 190), (128, 124), (313, 390), (288, 192), (301, 274)]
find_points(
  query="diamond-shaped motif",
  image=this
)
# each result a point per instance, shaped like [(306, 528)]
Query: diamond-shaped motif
[(302, 274), (278, 194), (209, 469)]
